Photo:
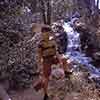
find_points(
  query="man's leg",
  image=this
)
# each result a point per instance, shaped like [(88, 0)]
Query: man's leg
[(46, 74), (45, 88)]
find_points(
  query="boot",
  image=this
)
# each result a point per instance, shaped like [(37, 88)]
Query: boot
[(45, 97), (67, 74), (38, 86)]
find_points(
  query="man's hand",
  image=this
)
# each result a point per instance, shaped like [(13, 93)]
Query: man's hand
[(40, 65)]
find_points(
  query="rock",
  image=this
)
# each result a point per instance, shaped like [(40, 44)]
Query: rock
[(88, 40), (78, 24), (67, 19), (98, 37), (76, 15), (56, 98), (96, 59), (96, 55), (3, 94), (61, 37), (57, 73)]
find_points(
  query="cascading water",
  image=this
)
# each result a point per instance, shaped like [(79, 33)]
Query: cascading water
[(74, 51)]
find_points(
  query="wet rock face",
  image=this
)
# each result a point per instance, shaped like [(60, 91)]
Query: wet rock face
[(87, 38), (96, 58), (96, 55), (78, 25), (84, 33), (98, 37), (90, 42), (61, 38)]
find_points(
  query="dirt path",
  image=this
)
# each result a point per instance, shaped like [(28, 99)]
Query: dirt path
[(60, 90), (28, 94)]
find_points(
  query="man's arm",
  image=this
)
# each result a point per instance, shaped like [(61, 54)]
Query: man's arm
[(39, 59), (39, 56)]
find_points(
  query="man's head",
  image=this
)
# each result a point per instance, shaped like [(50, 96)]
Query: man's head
[(45, 29), (45, 32)]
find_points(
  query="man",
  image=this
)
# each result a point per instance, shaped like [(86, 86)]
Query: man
[(47, 56)]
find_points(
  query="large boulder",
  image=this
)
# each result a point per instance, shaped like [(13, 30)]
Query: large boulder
[(57, 73), (88, 39), (61, 37)]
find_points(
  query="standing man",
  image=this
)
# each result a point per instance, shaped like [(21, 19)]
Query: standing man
[(47, 56)]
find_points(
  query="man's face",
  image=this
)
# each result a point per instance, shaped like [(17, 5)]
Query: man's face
[(45, 35)]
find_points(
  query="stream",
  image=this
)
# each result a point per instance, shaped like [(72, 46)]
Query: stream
[(74, 52)]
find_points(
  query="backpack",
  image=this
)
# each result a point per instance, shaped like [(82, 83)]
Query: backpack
[(48, 48)]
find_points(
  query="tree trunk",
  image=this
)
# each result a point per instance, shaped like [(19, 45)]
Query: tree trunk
[(48, 12), (43, 11), (97, 4)]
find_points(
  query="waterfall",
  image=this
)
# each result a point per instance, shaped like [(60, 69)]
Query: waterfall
[(73, 38), (74, 52)]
